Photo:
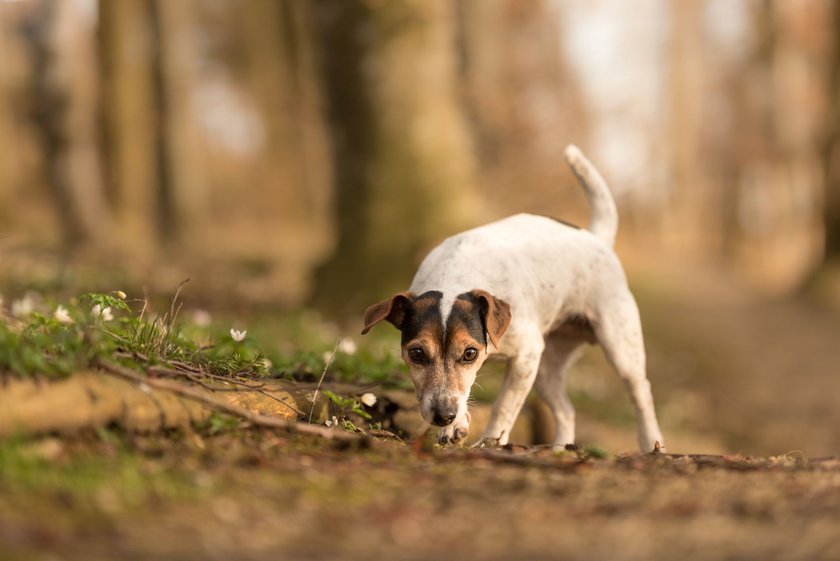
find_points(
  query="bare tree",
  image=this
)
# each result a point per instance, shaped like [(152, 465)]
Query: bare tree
[(65, 98), (130, 150), (522, 102), (403, 164), (831, 156)]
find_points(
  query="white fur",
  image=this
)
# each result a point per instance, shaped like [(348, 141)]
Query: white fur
[(548, 272)]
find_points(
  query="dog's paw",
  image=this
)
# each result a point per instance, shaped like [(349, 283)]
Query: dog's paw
[(456, 433), (487, 442)]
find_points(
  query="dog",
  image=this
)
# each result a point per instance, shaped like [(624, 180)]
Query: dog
[(532, 290)]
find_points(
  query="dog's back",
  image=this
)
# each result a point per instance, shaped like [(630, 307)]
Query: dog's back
[(546, 269)]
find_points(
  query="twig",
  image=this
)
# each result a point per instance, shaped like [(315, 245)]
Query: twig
[(242, 386), (173, 311), (253, 418), (192, 373), (321, 381)]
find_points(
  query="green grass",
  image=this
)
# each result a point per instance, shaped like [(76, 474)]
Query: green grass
[(51, 340), (106, 469)]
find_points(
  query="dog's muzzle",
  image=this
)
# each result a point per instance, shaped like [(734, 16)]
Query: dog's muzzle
[(444, 411)]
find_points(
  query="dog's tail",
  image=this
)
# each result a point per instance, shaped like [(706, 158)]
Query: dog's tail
[(604, 219)]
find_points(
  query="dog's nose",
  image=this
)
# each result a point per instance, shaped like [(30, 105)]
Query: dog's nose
[(443, 415)]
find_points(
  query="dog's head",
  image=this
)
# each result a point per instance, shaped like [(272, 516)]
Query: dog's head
[(443, 348)]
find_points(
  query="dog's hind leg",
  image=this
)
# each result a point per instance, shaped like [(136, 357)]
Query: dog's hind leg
[(560, 353), (619, 331)]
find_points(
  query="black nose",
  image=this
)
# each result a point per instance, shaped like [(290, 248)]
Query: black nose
[(443, 415)]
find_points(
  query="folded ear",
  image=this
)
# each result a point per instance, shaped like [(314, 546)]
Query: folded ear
[(495, 313), (392, 309)]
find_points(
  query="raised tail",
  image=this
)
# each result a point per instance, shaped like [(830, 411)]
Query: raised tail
[(604, 218)]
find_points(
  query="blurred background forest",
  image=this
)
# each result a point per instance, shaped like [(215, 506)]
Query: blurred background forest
[(309, 152), (298, 151)]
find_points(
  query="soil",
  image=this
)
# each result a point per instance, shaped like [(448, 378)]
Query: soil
[(732, 374), (256, 494)]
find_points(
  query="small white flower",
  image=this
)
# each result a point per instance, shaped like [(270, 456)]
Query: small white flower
[(267, 363), (238, 335), (368, 399), (120, 294), (347, 346), (332, 422), (102, 313), (62, 315), (202, 318), (23, 307)]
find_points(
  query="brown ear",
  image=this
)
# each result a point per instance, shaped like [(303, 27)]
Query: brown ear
[(496, 315), (392, 309)]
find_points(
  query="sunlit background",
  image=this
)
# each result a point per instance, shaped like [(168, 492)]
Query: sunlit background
[(306, 154)]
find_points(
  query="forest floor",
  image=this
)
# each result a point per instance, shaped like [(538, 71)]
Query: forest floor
[(732, 375), (255, 494)]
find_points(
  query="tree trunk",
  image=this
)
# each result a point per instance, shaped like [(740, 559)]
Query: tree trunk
[(182, 188), (125, 53), (403, 164), (66, 99), (522, 103), (831, 156)]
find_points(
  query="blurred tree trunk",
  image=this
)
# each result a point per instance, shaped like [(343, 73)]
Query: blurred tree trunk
[(125, 51), (786, 107), (7, 153), (687, 225), (403, 161), (182, 186), (290, 183), (66, 100), (522, 103), (832, 148)]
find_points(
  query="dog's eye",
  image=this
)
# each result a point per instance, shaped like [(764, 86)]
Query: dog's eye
[(416, 355), (470, 354)]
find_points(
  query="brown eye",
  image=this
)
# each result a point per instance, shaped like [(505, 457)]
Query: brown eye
[(470, 354), (416, 355)]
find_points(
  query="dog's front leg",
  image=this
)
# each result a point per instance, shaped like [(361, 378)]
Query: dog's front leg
[(520, 376)]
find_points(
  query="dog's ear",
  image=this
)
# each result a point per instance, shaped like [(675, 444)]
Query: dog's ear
[(393, 309), (495, 313)]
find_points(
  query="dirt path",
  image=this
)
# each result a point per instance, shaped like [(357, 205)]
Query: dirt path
[(256, 495), (727, 367), (769, 371)]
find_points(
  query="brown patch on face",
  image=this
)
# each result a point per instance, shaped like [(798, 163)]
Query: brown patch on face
[(465, 320), (422, 318), (465, 343), (422, 330)]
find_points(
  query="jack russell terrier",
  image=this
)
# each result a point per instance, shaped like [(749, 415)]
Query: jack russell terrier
[(532, 290)]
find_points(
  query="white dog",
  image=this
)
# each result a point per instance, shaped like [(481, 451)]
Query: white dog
[(533, 290)]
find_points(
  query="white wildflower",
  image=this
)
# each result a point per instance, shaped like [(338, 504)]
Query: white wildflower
[(104, 314), (23, 307), (368, 399), (202, 318), (332, 422), (238, 335), (267, 363), (120, 294), (347, 346), (62, 315)]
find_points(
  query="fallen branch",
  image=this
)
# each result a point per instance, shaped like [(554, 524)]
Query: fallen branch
[(194, 374), (253, 418)]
